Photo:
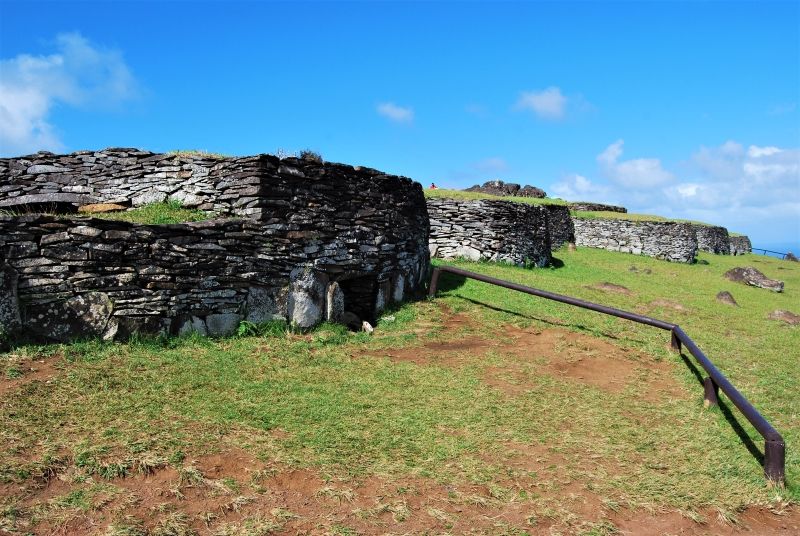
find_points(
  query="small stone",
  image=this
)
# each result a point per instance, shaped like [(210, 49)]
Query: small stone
[(750, 276), (367, 327), (785, 316), (726, 298)]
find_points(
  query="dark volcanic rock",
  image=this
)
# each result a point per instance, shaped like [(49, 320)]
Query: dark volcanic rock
[(9, 306), (785, 316), (507, 188), (81, 316), (727, 298), (596, 207), (750, 276), (791, 257), (532, 191)]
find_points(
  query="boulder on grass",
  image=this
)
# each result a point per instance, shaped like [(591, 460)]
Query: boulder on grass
[(726, 298), (785, 316), (750, 276)]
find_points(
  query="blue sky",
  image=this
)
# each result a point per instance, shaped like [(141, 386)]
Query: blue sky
[(684, 109)]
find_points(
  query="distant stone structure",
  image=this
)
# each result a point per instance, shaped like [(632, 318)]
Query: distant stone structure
[(713, 239), (740, 244), (491, 230), (308, 242), (595, 207), (501, 188), (670, 241)]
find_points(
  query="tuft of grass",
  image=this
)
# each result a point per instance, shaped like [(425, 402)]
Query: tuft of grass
[(166, 212), (197, 153)]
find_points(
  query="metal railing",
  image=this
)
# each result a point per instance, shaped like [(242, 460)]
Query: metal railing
[(774, 446), (766, 251)]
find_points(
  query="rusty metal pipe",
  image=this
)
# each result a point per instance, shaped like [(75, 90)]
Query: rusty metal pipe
[(774, 445)]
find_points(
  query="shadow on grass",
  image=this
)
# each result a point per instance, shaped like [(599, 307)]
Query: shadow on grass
[(751, 447)]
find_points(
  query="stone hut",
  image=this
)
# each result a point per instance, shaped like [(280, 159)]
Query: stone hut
[(293, 239)]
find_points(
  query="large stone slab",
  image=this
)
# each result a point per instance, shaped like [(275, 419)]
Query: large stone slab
[(750, 276), (83, 316)]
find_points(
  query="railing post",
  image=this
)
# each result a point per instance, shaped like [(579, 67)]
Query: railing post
[(434, 283), (711, 395), (775, 462), (675, 343)]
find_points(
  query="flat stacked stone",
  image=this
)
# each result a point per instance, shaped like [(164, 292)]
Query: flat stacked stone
[(498, 231), (669, 241), (311, 240)]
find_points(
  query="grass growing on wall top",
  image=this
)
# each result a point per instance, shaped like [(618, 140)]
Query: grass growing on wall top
[(158, 214), (610, 215), (333, 402), (461, 195)]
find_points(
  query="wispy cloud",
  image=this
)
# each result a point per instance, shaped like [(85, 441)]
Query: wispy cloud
[(639, 173), (549, 103), (781, 109), (395, 113), (576, 187), (78, 74)]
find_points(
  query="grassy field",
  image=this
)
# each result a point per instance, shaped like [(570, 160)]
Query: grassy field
[(482, 411)]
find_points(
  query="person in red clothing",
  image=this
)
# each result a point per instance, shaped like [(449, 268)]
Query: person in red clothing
[(433, 186)]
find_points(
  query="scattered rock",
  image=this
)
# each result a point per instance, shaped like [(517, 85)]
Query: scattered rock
[(750, 276), (669, 304), (99, 208), (791, 257), (636, 270), (596, 207), (785, 316), (501, 188), (611, 287), (727, 298)]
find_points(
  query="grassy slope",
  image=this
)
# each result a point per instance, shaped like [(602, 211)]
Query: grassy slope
[(345, 410)]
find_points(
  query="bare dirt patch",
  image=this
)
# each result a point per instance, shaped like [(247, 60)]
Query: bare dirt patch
[(30, 370), (785, 316), (238, 491), (612, 287), (669, 304)]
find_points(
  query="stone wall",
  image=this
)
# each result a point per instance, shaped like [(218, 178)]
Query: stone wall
[(490, 230), (713, 239), (740, 245), (596, 207), (318, 240), (560, 226), (675, 242)]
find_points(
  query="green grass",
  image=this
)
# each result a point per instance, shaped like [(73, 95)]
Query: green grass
[(348, 412), (587, 215), (198, 153), (157, 214), (461, 195)]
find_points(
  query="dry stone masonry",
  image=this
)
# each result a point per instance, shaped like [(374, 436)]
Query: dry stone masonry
[(670, 241), (560, 226), (310, 242), (491, 230), (713, 239), (596, 207), (740, 244), (501, 188)]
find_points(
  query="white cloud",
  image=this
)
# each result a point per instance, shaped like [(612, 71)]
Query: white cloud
[(639, 173), (548, 103), (576, 187), (393, 112), (77, 74), (753, 190)]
